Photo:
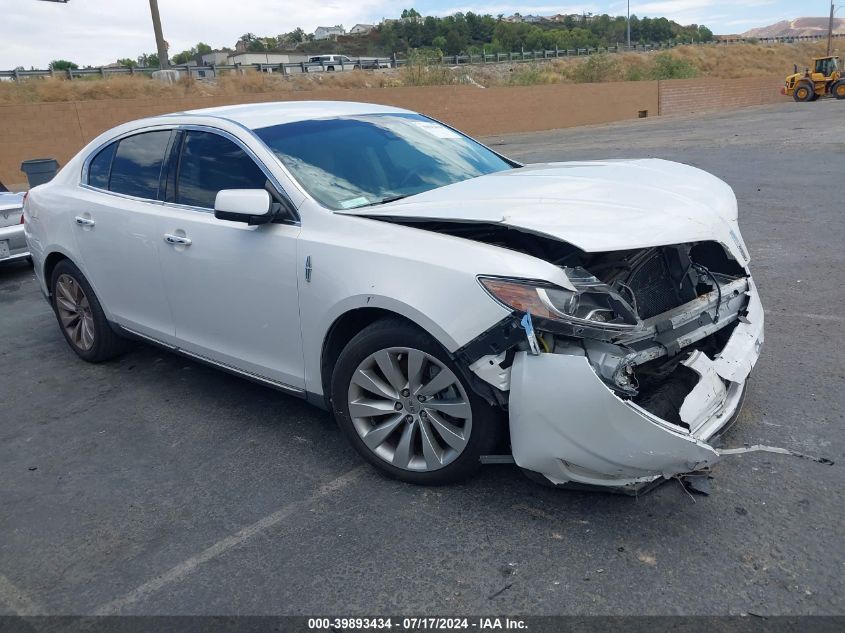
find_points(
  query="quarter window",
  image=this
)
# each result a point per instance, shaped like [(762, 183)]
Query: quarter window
[(136, 168), (210, 163), (100, 167)]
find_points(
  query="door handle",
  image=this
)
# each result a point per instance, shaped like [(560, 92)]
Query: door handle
[(84, 221), (177, 239)]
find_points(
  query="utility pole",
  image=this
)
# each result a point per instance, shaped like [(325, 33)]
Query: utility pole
[(629, 24), (160, 45), (830, 29)]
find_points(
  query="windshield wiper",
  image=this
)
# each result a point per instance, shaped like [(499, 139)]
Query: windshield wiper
[(384, 201)]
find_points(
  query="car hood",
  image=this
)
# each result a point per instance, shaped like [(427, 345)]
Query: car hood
[(595, 206)]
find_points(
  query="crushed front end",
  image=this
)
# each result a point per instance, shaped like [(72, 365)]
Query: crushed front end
[(623, 378)]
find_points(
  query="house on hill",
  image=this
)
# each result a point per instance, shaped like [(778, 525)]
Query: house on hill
[(361, 29), (329, 32)]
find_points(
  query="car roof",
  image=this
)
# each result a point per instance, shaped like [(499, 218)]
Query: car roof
[(258, 115)]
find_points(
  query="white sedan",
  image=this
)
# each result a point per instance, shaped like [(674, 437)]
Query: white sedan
[(595, 322)]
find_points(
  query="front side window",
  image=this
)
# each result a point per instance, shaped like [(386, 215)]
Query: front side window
[(99, 169), (136, 167), (355, 161), (210, 163)]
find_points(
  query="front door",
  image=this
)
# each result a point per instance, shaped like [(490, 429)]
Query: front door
[(232, 287)]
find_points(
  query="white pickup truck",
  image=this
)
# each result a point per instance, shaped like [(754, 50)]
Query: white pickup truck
[(332, 63)]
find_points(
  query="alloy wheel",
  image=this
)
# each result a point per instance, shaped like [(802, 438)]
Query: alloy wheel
[(410, 409), (75, 312)]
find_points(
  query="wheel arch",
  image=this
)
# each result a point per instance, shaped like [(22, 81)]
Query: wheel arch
[(50, 262), (53, 258), (344, 328)]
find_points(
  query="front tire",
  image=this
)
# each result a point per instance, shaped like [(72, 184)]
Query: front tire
[(406, 408), (838, 89), (81, 318), (803, 93)]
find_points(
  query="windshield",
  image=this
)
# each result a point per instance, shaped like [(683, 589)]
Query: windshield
[(355, 161)]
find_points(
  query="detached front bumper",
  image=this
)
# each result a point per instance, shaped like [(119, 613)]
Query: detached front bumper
[(569, 426)]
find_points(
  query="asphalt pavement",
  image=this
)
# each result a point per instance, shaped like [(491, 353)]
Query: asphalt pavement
[(155, 485)]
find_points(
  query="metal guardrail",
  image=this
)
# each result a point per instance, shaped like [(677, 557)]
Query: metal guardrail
[(366, 63), (455, 60), (371, 63)]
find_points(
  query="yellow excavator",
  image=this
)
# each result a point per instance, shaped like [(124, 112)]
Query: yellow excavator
[(826, 79)]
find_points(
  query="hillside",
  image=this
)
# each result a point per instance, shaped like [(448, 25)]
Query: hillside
[(725, 62), (799, 27)]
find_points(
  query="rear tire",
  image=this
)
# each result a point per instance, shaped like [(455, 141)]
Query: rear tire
[(838, 89), (411, 421), (81, 318), (803, 93)]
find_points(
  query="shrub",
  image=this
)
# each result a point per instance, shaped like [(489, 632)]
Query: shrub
[(667, 66), (423, 68), (594, 69)]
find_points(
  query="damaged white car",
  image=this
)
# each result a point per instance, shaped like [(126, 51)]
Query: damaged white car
[(595, 320)]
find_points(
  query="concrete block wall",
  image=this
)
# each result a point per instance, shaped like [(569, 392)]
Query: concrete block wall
[(60, 130), (688, 96)]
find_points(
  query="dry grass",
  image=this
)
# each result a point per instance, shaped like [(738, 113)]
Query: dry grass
[(723, 62), (139, 87), (750, 60), (726, 62)]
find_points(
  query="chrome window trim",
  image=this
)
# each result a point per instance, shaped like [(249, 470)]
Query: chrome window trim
[(184, 127)]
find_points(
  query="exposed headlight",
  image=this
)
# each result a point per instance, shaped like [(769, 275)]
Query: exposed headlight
[(593, 303)]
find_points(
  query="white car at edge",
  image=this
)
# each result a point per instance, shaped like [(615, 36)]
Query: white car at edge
[(595, 320)]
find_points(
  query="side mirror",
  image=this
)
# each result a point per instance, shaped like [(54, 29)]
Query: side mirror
[(252, 206)]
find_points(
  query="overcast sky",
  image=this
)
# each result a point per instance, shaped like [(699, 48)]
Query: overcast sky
[(97, 32)]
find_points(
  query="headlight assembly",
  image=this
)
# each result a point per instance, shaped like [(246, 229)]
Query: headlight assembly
[(593, 304)]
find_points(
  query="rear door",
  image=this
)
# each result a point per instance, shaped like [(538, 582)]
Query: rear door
[(116, 230), (233, 287)]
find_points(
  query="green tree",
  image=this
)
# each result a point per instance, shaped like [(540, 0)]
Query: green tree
[(253, 43), (455, 43), (185, 56), (128, 62), (458, 32), (148, 61), (62, 64)]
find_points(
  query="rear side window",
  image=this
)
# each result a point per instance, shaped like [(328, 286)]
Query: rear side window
[(210, 163), (136, 167), (100, 167)]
